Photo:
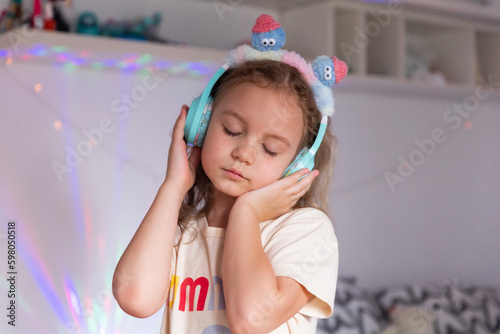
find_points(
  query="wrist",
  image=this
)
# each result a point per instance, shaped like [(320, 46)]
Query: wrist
[(172, 192), (245, 209)]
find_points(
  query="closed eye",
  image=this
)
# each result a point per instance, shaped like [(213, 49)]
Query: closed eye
[(230, 133), (271, 153)]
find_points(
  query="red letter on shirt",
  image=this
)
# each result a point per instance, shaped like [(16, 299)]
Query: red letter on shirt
[(203, 283)]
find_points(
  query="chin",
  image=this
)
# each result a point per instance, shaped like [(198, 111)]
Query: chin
[(228, 189)]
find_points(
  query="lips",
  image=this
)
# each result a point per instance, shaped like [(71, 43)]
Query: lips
[(234, 174)]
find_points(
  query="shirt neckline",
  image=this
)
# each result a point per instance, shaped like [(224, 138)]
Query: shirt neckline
[(211, 231)]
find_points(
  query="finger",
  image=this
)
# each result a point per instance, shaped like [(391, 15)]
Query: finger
[(296, 197), (178, 131), (303, 185), (300, 178), (293, 178), (309, 177)]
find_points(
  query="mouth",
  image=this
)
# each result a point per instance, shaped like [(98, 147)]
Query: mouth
[(234, 174)]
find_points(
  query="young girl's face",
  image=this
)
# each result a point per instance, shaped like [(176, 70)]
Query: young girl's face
[(253, 135)]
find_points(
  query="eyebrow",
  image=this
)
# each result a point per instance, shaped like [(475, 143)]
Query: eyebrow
[(230, 112)]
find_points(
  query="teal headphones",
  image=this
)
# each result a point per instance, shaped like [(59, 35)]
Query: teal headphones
[(198, 118)]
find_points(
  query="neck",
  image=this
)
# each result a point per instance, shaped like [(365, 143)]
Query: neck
[(219, 209)]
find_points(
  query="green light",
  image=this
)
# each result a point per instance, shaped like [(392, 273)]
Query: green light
[(144, 73), (195, 74), (175, 70), (144, 59), (97, 66), (59, 48), (69, 65)]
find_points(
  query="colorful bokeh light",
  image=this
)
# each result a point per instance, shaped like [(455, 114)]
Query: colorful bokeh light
[(71, 233), (129, 62)]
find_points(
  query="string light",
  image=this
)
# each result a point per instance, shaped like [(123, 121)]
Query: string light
[(38, 88), (131, 62)]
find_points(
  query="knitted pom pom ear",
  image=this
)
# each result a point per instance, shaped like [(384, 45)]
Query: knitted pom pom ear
[(267, 39), (265, 23), (340, 69), (294, 59)]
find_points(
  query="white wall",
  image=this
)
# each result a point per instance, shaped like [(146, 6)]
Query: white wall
[(74, 222), (442, 224)]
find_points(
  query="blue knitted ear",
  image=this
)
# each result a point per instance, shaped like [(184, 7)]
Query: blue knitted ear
[(205, 119)]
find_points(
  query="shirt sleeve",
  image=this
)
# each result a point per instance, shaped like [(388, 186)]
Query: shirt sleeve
[(303, 246)]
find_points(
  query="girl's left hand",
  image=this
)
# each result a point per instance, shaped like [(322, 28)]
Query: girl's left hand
[(278, 198)]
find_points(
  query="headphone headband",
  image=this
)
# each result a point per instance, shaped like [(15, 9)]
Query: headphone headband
[(267, 39)]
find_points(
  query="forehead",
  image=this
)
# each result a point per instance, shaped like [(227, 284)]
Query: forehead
[(274, 109), (249, 99)]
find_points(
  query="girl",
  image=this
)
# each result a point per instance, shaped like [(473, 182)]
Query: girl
[(228, 245)]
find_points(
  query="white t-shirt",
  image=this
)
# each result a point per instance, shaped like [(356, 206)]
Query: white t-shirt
[(300, 244)]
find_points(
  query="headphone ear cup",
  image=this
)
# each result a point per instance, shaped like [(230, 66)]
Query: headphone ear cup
[(305, 159), (200, 111), (197, 121), (203, 125)]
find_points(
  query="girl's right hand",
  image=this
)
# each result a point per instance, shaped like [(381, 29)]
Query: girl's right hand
[(181, 168)]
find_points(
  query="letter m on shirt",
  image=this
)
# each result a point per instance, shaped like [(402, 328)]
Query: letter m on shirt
[(202, 282)]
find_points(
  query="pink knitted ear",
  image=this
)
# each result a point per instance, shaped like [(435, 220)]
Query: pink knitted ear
[(340, 69), (294, 59), (265, 23)]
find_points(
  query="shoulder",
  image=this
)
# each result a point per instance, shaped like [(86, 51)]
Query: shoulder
[(302, 225), (303, 218), (302, 245), (311, 213)]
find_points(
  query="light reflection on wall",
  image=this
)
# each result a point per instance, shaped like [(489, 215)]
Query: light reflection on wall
[(63, 56), (72, 233)]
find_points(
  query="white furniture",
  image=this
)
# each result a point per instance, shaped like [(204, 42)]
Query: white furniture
[(376, 40)]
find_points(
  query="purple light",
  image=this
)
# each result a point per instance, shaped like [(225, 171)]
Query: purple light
[(109, 62), (38, 52), (132, 67), (79, 61), (73, 300), (163, 64)]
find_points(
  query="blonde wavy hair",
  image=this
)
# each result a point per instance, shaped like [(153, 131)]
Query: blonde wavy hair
[(288, 80)]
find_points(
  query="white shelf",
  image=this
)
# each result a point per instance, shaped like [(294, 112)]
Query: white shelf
[(345, 20), (389, 43), (76, 50)]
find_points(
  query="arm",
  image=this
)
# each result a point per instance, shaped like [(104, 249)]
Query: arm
[(142, 276), (258, 301)]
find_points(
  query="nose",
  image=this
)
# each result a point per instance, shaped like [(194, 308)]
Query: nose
[(244, 152)]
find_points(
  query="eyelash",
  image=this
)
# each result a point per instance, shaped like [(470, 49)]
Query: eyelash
[(229, 133), (271, 153), (264, 148)]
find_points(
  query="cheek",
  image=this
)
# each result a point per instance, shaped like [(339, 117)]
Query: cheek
[(270, 172), (213, 147)]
